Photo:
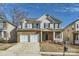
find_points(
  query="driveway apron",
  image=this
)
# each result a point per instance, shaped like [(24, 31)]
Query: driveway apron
[(23, 49)]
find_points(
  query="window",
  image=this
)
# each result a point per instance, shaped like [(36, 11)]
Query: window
[(0, 34), (56, 26), (29, 26), (5, 34), (32, 25), (46, 25), (35, 25), (1, 25), (57, 35), (26, 25), (51, 26), (77, 25)]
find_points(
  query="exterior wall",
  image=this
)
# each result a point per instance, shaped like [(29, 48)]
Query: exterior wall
[(13, 36), (43, 20), (9, 29), (68, 33), (50, 35), (25, 33)]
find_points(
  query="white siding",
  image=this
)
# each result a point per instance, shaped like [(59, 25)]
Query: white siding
[(43, 20), (9, 29)]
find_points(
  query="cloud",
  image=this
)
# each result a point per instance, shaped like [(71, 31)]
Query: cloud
[(72, 9), (68, 9)]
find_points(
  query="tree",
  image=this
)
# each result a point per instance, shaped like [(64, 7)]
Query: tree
[(2, 11), (17, 15)]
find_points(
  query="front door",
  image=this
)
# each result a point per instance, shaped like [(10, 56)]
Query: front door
[(46, 35)]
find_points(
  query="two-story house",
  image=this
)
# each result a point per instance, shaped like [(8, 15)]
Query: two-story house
[(41, 29), (7, 30), (71, 32)]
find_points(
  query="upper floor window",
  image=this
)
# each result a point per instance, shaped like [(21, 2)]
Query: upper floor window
[(28, 26), (5, 34), (35, 25), (1, 25), (51, 26), (46, 25), (0, 33), (77, 25), (56, 26)]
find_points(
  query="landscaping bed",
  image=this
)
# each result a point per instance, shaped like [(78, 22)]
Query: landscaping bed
[(50, 47)]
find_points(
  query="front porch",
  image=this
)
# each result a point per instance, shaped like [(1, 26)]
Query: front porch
[(76, 38), (54, 36)]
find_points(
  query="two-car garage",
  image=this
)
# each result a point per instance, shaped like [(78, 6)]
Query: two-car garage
[(29, 38)]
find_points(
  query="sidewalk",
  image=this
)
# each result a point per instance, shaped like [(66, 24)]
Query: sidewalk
[(58, 54)]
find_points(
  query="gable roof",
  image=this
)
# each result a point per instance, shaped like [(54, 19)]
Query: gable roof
[(71, 24), (32, 20), (53, 18), (4, 20), (35, 20)]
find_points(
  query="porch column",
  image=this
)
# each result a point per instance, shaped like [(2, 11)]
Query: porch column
[(41, 35), (2, 34), (54, 35)]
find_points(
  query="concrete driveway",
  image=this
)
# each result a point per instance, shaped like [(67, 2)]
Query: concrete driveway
[(23, 49)]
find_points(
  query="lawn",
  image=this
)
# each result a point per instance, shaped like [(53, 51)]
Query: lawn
[(4, 46), (73, 48), (50, 47)]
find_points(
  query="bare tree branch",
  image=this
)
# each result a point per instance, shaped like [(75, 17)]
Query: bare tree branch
[(2, 11), (17, 15)]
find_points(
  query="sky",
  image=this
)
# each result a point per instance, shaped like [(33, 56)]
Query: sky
[(67, 13)]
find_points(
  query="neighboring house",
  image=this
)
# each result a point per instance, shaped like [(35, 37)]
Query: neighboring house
[(7, 30), (41, 29), (71, 32)]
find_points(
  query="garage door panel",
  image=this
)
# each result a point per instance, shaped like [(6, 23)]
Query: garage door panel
[(23, 38), (34, 38)]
